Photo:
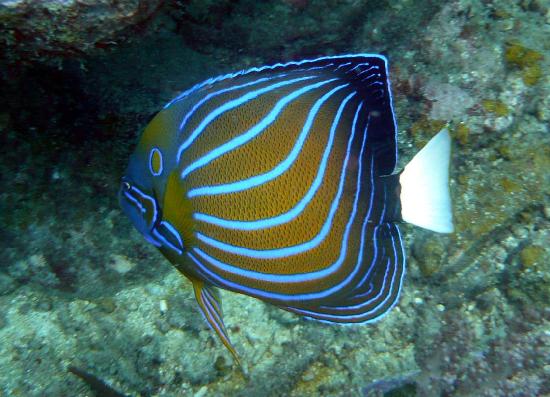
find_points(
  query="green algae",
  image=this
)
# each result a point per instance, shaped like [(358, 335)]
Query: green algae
[(423, 129), (461, 132), (525, 59), (509, 185), (497, 107), (428, 253), (531, 255)]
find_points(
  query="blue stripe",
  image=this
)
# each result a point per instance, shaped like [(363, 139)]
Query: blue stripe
[(366, 70), (217, 93), (172, 230), (132, 199), (296, 249), (297, 278), (352, 307), (352, 317), (231, 105), (358, 66), (228, 76), (265, 177), (151, 240), (375, 254), (165, 242), (145, 197), (254, 131), (212, 299), (343, 65), (360, 256), (371, 76), (217, 321), (142, 209)]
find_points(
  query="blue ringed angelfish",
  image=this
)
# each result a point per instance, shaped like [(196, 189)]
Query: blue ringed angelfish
[(279, 182)]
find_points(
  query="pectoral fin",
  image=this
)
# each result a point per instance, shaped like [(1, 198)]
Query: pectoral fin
[(210, 305)]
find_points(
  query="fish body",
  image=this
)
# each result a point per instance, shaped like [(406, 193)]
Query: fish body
[(278, 182)]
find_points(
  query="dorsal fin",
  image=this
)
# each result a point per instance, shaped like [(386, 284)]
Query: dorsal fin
[(368, 73)]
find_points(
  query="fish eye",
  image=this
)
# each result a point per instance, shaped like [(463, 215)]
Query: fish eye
[(126, 186)]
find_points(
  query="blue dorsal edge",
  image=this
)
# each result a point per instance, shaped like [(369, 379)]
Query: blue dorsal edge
[(367, 73)]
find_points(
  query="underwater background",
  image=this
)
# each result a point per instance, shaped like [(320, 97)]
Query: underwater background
[(87, 307)]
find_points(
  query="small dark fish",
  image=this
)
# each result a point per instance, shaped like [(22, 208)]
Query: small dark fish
[(98, 386), (278, 182)]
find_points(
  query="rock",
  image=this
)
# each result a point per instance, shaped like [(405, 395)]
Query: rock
[(48, 30)]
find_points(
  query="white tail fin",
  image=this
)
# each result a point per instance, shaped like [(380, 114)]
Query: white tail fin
[(425, 197)]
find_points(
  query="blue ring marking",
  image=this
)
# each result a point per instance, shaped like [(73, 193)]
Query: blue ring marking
[(231, 105), (243, 72), (240, 140), (225, 90), (151, 154), (258, 180), (325, 229), (310, 296)]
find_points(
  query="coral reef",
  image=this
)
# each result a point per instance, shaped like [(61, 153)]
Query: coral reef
[(79, 288)]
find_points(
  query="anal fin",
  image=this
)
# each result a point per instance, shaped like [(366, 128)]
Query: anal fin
[(210, 306)]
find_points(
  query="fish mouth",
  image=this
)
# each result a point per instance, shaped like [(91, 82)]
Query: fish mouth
[(142, 209)]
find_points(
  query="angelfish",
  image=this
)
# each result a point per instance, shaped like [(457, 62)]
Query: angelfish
[(278, 182)]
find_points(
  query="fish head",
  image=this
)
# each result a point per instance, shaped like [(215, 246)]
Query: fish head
[(141, 187), (140, 205)]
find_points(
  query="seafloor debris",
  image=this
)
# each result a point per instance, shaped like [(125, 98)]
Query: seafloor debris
[(98, 386)]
